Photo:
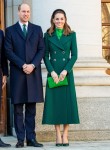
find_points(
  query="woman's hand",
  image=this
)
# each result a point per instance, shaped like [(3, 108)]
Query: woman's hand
[(55, 76), (62, 75)]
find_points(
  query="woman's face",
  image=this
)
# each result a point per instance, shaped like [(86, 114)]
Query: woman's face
[(59, 20)]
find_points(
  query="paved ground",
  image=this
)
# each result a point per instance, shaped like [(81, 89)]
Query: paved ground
[(92, 145)]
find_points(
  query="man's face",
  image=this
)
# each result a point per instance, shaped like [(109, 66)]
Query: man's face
[(24, 13)]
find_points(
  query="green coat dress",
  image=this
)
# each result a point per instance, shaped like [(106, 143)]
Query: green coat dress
[(60, 105)]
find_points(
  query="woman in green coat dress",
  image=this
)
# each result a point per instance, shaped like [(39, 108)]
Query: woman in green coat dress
[(61, 53)]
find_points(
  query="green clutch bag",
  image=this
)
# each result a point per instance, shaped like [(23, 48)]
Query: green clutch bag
[(52, 84)]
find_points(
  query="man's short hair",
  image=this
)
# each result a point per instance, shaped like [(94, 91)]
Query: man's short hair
[(19, 6)]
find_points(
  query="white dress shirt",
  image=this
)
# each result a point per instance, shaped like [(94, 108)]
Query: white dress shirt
[(21, 25)]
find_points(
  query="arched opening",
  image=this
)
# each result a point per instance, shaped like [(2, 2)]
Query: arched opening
[(106, 29)]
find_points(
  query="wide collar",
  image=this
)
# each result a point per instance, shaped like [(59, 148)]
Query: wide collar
[(19, 30), (59, 43)]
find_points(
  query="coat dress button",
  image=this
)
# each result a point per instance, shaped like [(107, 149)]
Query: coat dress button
[(54, 52), (54, 59), (63, 52), (63, 59)]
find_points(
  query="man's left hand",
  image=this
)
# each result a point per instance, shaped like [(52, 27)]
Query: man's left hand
[(4, 79)]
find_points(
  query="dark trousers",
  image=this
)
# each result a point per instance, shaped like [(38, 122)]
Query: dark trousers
[(24, 120)]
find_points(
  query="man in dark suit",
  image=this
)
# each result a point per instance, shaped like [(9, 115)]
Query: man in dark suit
[(3, 74), (24, 47)]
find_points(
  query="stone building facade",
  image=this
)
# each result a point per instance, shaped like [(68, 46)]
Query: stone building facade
[(92, 82)]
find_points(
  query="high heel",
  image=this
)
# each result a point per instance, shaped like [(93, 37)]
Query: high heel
[(65, 144), (59, 144)]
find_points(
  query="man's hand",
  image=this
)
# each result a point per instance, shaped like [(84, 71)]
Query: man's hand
[(4, 79), (28, 68), (24, 66)]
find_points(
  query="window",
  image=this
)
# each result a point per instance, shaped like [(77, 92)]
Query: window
[(106, 29)]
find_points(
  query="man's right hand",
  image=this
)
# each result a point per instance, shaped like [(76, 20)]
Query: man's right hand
[(24, 66)]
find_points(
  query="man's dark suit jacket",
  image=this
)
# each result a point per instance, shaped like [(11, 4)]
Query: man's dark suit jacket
[(20, 50)]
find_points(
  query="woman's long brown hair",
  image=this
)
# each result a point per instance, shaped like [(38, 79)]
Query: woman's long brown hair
[(67, 29)]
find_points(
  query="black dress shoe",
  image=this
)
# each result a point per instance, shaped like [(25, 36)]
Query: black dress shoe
[(65, 144), (59, 144), (34, 143), (20, 144), (2, 144)]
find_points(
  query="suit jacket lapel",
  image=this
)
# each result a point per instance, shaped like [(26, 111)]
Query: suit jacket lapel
[(19, 30), (30, 30)]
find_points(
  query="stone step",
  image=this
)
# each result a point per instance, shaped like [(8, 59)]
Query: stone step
[(93, 91), (92, 81), (94, 123), (91, 63), (88, 63), (88, 81)]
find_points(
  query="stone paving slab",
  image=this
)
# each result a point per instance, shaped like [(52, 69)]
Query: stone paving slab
[(74, 145)]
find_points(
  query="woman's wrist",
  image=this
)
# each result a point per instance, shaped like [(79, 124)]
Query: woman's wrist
[(53, 74), (64, 72)]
